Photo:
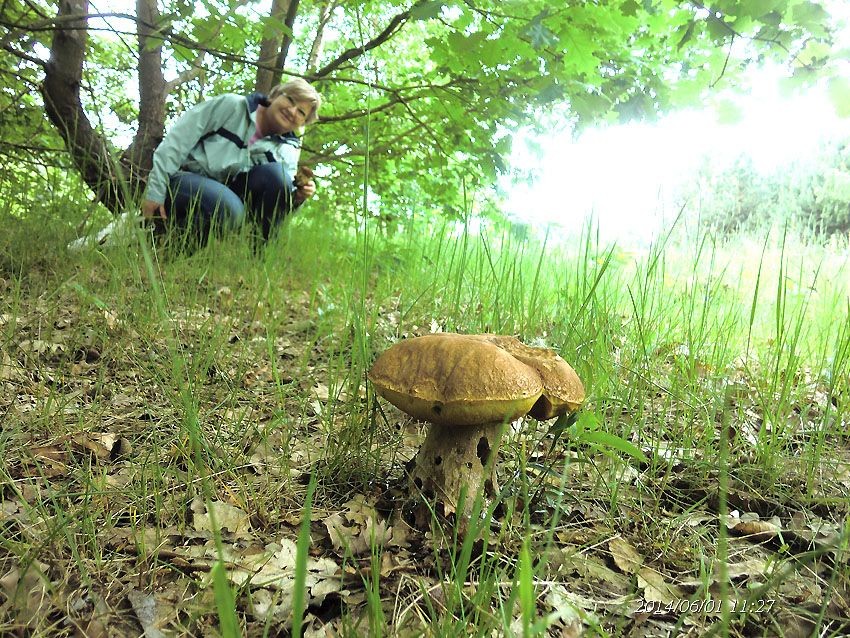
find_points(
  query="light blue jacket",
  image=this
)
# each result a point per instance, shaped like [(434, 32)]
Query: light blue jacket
[(211, 139)]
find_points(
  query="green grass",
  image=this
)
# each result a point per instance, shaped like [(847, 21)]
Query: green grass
[(717, 377)]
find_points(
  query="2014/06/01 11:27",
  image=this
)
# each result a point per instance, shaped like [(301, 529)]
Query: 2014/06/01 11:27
[(710, 606)]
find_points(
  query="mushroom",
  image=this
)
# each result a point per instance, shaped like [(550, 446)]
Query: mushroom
[(563, 391), (467, 387), (303, 175)]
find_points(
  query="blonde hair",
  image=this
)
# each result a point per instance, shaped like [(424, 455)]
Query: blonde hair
[(300, 91)]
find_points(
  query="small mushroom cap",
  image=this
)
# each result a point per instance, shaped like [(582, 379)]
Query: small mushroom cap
[(453, 379), (563, 391)]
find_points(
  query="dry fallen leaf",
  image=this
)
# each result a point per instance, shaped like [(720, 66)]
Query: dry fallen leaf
[(45, 460), (564, 612), (9, 369), (753, 527), (750, 567), (104, 445), (656, 589), (271, 576), (51, 461), (144, 605), (625, 556), (227, 517), (25, 589), (359, 528), (815, 530), (338, 531), (42, 347)]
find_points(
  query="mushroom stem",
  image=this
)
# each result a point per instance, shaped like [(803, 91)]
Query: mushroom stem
[(455, 459)]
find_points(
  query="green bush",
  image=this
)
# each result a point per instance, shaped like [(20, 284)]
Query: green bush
[(812, 194), (824, 194)]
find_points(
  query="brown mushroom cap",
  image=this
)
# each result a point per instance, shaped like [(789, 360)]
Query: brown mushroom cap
[(453, 379), (562, 389)]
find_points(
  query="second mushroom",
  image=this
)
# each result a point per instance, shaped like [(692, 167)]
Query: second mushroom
[(467, 387)]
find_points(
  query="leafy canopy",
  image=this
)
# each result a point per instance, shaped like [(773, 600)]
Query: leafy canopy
[(422, 98)]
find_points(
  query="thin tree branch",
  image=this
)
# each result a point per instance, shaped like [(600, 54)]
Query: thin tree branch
[(291, 14), (391, 29), (393, 141), (24, 56), (326, 8), (30, 148), (76, 20), (353, 115), (193, 72), (725, 63), (434, 136)]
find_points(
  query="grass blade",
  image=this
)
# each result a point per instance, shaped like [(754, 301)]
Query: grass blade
[(225, 603), (302, 553)]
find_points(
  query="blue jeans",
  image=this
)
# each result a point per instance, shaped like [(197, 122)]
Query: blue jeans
[(262, 196)]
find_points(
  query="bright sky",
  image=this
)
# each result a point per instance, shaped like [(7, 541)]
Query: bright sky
[(625, 177)]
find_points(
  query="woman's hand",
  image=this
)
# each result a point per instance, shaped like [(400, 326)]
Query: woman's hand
[(304, 192), (305, 187), (152, 210)]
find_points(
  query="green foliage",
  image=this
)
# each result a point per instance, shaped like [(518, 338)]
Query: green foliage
[(427, 107), (106, 90), (40, 205), (735, 197), (824, 192), (813, 194)]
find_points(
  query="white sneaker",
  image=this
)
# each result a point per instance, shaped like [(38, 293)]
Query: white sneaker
[(121, 231)]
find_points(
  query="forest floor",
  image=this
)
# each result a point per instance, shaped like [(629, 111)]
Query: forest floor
[(152, 444)]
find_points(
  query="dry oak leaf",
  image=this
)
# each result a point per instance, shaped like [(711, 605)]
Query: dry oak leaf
[(51, 460), (812, 529), (48, 461), (593, 569), (225, 516), (104, 445), (625, 556), (10, 370), (274, 569), (26, 589), (359, 529), (146, 612), (656, 589), (568, 615)]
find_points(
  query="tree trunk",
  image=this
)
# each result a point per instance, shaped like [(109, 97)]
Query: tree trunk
[(61, 92), (318, 41), (274, 47), (287, 40), (138, 157)]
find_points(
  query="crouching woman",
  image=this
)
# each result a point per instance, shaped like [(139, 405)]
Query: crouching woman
[(233, 159)]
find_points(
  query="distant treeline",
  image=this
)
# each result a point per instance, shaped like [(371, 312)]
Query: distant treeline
[(813, 194)]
